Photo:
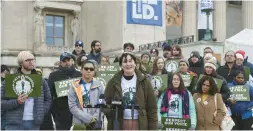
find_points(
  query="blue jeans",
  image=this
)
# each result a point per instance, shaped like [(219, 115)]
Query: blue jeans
[(26, 125)]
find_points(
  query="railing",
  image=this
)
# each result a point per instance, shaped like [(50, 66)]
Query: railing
[(161, 44)]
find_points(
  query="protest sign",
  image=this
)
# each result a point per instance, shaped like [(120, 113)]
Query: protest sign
[(240, 93), (176, 123), (187, 78), (105, 73), (62, 87), (171, 65), (159, 82), (17, 84)]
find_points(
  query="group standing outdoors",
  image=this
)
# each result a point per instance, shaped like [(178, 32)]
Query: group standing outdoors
[(130, 101)]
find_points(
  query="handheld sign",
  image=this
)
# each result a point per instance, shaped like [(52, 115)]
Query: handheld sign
[(171, 65), (187, 78), (176, 123), (17, 84), (106, 72), (62, 87), (240, 93), (159, 82)]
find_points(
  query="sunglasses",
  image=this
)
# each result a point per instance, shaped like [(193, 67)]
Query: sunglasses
[(87, 68), (78, 45)]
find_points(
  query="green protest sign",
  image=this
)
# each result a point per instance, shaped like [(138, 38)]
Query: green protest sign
[(187, 78), (217, 81), (171, 65), (176, 123), (105, 73), (17, 84), (159, 82), (240, 93), (62, 87)]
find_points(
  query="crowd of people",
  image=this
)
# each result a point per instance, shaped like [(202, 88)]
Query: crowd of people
[(201, 99)]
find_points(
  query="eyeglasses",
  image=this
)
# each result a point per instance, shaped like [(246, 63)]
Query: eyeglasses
[(78, 45), (87, 68)]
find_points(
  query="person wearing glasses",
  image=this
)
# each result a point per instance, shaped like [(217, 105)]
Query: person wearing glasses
[(78, 51), (60, 109), (83, 93), (95, 53), (23, 112)]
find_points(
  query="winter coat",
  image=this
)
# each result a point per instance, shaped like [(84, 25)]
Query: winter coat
[(145, 99), (198, 67), (225, 71), (60, 108), (224, 90), (97, 57), (248, 64), (14, 111), (242, 108), (192, 110), (75, 102), (205, 113)]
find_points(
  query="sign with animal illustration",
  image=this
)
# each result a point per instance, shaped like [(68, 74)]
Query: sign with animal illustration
[(62, 87), (240, 93), (159, 82), (105, 73), (176, 124), (17, 84), (187, 78), (171, 65)]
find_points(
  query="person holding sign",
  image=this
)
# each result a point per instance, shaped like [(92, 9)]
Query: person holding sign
[(177, 102), (83, 93), (130, 87), (241, 109), (158, 69), (209, 114), (190, 78), (210, 70), (25, 112), (60, 110)]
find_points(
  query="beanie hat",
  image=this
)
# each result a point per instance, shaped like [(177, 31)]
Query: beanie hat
[(239, 56), (185, 61), (167, 47), (212, 63), (208, 55), (241, 52), (195, 53)]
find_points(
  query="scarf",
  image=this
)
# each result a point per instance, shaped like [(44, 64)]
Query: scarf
[(185, 101)]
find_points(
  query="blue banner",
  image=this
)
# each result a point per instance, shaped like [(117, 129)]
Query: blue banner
[(144, 12)]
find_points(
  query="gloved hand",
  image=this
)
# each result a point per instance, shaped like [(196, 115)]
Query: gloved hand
[(92, 123)]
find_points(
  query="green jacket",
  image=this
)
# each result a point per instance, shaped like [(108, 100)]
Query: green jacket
[(145, 99)]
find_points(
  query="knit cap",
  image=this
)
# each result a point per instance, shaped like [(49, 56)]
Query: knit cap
[(185, 61), (195, 53), (212, 63)]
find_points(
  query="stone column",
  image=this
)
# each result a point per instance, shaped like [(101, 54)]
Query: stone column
[(189, 26), (247, 9), (220, 20)]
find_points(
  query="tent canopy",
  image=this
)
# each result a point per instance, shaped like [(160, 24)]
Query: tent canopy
[(245, 37)]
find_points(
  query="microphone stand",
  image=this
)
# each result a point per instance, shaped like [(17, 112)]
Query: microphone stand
[(116, 121)]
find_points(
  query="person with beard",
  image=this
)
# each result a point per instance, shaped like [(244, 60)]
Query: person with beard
[(95, 51), (60, 109), (23, 112), (241, 110), (210, 70), (225, 70), (196, 63)]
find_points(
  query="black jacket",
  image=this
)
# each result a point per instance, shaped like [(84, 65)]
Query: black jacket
[(60, 109), (224, 90), (224, 71), (198, 67)]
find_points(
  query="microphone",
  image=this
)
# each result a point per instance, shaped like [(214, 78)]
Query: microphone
[(101, 102), (132, 109), (116, 102)]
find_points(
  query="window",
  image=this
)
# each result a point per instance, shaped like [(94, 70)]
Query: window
[(238, 2), (55, 30)]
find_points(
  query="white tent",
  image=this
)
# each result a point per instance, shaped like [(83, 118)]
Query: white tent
[(241, 41)]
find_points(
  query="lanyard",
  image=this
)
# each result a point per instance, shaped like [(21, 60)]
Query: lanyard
[(85, 89)]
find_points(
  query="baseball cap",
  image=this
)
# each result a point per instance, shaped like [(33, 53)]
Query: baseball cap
[(65, 55), (78, 42)]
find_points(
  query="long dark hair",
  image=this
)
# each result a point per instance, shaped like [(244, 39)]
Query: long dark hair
[(155, 68), (181, 85), (93, 44), (213, 89)]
